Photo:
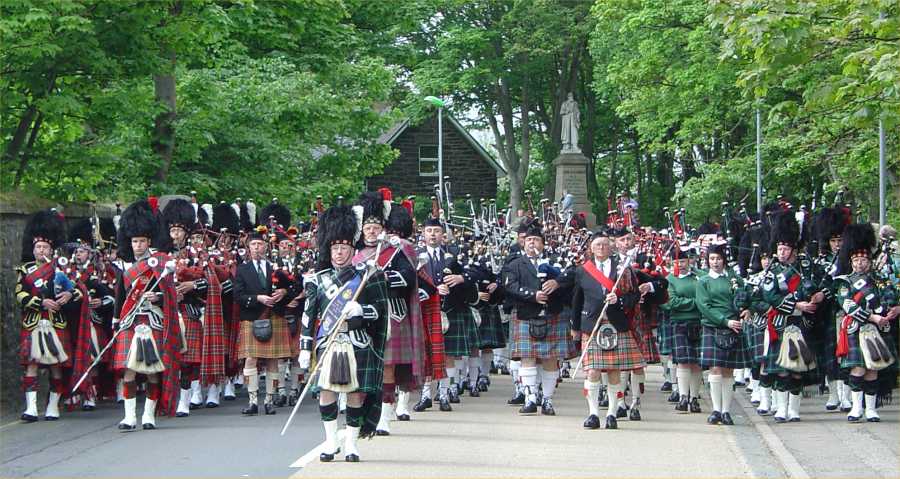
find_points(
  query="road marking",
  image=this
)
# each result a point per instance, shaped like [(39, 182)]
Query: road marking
[(313, 453), (789, 463)]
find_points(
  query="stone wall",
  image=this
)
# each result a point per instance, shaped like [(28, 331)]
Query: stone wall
[(469, 173), (15, 209)]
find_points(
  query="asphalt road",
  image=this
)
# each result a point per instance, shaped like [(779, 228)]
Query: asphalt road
[(482, 437)]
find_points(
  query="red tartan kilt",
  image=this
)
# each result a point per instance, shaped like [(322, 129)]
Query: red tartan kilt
[(25, 347), (434, 337), (646, 342), (123, 343), (626, 356), (102, 339), (193, 336), (232, 332)]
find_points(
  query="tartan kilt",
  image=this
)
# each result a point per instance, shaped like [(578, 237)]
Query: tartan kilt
[(854, 357), (625, 357), (123, 342), (193, 336), (771, 363), (295, 339), (646, 342), (278, 347), (491, 333), (369, 370), (461, 338), (666, 336), (102, 338), (756, 343), (63, 334), (557, 344), (399, 346), (712, 356), (434, 338), (826, 354), (685, 351)]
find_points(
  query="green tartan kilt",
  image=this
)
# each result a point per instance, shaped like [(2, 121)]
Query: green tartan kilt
[(666, 336), (712, 356), (461, 337), (756, 343), (771, 364), (491, 332), (369, 370)]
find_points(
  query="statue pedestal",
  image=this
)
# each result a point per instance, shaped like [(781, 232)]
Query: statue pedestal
[(571, 176)]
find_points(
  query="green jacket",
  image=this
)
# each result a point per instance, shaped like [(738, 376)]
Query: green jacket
[(715, 300), (681, 304)]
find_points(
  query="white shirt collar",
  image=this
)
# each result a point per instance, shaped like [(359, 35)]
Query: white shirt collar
[(712, 274)]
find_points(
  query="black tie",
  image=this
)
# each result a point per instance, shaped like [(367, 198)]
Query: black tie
[(261, 274)]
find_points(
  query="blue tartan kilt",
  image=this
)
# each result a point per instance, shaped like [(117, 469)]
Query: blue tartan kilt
[(686, 351), (756, 343), (557, 344), (854, 357), (492, 331), (712, 356), (666, 336), (461, 337)]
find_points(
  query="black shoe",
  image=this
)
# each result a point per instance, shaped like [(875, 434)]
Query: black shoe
[(846, 409), (528, 408), (674, 397), (726, 419), (868, 419), (754, 403), (148, 427), (270, 409), (634, 415), (280, 400), (29, 418), (853, 419), (465, 386), (517, 400), (666, 387), (126, 427), (564, 374), (611, 422), (714, 418), (483, 383), (195, 406), (621, 412), (504, 370), (445, 405), (325, 457), (592, 422), (379, 432), (494, 369), (51, 418), (403, 417), (423, 404), (780, 420), (181, 414), (683, 404), (695, 405), (211, 405), (454, 395), (229, 398), (474, 392), (351, 458), (238, 387), (604, 399), (88, 407), (251, 410), (831, 407), (547, 408)]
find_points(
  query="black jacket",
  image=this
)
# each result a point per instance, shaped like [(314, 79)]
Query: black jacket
[(522, 284), (589, 296), (247, 287)]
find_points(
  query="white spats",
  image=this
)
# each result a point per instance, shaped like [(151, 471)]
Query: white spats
[(794, 407), (196, 393), (834, 395), (727, 394), (149, 416), (384, 422), (212, 394), (426, 390), (443, 387), (229, 389), (755, 395), (683, 375), (31, 403), (592, 393), (765, 400), (351, 437), (856, 401), (548, 383), (184, 403), (528, 375), (130, 418), (330, 445), (781, 404), (403, 403), (846, 396), (52, 406), (871, 413), (715, 391)]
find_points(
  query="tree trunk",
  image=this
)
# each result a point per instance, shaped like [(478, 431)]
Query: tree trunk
[(26, 154), (163, 124), (14, 147)]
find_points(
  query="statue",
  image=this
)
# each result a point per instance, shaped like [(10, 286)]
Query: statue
[(571, 119)]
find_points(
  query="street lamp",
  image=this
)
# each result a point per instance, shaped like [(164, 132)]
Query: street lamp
[(440, 106)]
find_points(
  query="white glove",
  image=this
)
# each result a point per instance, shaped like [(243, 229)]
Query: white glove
[(423, 296), (445, 322), (304, 359), (352, 309)]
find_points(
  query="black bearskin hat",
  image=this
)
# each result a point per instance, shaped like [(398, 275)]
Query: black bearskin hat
[(108, 232), (225, 218), (374, 209), (276, 211), (399, 221), (858, 239), (785, 230), (720, 249), (337, 225), (138, 220), (47, 226), (535, 229), (828, 223), (248, 215), (177, 213), (753, 246), (82, 233)]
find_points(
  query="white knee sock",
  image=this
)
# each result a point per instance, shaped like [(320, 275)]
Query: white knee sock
[(548, 382), (684, 381), (695, 383), (715, 391), (514, 374), (612, 390), (460, 365), (426, 390), (486, 362), (727, 394), (474, 369), (451, 376), (529, 381), (592, 393), (637, 388)]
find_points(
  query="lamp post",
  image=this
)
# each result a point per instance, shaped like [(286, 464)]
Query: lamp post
[(440, 106)]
